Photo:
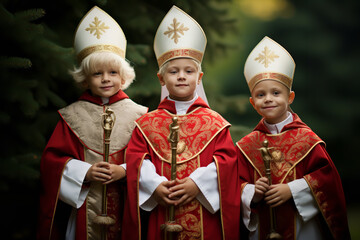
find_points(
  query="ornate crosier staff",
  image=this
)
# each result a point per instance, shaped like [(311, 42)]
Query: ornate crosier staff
[(265, 153), (170, 226), (108, 120)]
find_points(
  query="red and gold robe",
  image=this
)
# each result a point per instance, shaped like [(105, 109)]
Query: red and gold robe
[(79, 135), (297, 152), (207, 139)]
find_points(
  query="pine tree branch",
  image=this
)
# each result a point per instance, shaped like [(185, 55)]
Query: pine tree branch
[(15, 62)]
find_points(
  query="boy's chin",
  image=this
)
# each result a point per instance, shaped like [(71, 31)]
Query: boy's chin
[(108, 95), (182, 98)]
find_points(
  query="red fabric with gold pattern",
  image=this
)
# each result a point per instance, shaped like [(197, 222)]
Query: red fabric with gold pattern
[(196, 130), (330, 200), (287, 149), (189, 215), (298, 153), (207, 139), (115, 193)]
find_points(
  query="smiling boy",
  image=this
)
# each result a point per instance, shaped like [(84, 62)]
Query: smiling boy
[(304, 178), (271, 100), (73, 170), (205, 193)]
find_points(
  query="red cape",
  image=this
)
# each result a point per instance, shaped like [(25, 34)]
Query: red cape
[(62, 146), (315, 166), (222, 225)]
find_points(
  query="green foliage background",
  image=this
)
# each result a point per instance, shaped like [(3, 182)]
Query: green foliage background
[(36, 54)]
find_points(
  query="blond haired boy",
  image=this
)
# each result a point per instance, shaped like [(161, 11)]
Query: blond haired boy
[(73, 170), (204, 192)]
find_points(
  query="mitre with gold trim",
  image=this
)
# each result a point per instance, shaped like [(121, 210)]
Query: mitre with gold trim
[(98, 31), (269, 60), (178, 36)]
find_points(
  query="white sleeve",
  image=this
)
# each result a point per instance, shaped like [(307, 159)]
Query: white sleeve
[(304, 200), (206, 179), (249, 218), (149, 180), (71, 190), (123, 165)]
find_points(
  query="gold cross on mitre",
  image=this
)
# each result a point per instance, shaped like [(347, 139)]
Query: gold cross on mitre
[(266, 57), (99, 28), (175, 30)]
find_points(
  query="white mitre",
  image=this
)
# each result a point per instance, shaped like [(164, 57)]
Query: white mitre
[(269, 60), (98, 31), (177, 36)]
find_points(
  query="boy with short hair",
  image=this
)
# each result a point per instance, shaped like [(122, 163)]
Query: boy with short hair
[(73, 170), (204, 192), (306, 195)]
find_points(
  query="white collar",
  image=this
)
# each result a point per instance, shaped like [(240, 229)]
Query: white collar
[(277, 127), (105, 100), (183, 106)]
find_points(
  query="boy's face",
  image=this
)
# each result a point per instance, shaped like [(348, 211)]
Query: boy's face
[(104, 82), (271, 100), (181, 78)]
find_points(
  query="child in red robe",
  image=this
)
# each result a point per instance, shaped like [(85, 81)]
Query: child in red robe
[(205, 190), (73, 170), (306, 195)]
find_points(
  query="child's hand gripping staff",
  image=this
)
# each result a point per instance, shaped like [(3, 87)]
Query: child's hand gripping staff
[(170, 226), (108, 121), (265, 153)]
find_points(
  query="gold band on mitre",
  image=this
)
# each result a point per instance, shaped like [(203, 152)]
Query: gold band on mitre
[(179, 36), (97, 48), (270, 76), (178, 53)]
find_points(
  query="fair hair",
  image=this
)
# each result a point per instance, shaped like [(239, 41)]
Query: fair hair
[(91, 63), (163, 68)]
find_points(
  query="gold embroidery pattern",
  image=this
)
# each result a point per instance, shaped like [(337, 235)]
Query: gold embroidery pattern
[(196, 131), (266, 57), (290, 147), (87, 51), (98, 28), (320, 198), (275, 76), (180, 53), (175, 30), (188, 216), (184, 170)]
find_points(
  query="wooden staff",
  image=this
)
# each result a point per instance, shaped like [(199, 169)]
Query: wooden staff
[(108, 120), (171, 226), (265, 153)]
